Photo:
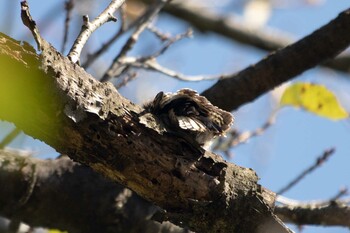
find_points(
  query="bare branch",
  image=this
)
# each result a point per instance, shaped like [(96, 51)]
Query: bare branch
[(342, 192), (206, 19), (129, 77), (162, 36), (68, 6), (92, 57), (109, 202), (284, 201), (10, 137), (30, 23), (89, 27), (123, 16), (340, 63), (152, 64), (319, 161), (266, 38), (116, 67), (322, 213), (280, 66), (236, 138), (169, 42)]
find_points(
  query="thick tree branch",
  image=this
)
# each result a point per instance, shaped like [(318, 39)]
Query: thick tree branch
[(56, 101), (72, 197), (266, 38), (115, 204), (85, 195), (333, 213), (282, 65)]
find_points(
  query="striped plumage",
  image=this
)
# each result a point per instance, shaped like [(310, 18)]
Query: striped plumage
[(190, 115)]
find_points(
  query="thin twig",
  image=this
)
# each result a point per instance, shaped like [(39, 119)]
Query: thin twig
[(236, 138), (342, 192), (30, 23), (124, 28), (123, 17), (10, 137), (319, 161), (285, 201), (152, 64), (163, 37), (68, 6), (265, 38), (323, 44), (170, 41), (89, 27), (140, 28), (129, 77), (320, 212), (118, 68)]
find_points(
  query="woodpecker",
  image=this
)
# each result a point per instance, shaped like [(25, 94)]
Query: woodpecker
[(189, 115)]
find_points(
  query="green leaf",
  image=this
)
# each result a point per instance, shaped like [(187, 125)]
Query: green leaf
[(314, 98)]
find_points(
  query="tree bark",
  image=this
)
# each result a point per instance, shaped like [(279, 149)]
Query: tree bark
[(63, 194), (72, 197), (56, 101), (333, 213)]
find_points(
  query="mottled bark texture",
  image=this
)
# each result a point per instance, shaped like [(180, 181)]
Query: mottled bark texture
[(65, 195), (56, 101), (72, 197)]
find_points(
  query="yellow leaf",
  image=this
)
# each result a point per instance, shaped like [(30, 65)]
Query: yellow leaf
[(56, 231), (314, 98)]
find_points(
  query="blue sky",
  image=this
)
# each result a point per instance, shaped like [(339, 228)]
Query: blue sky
[(284, 150)]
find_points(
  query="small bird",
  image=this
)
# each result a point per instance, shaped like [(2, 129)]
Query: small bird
[(189, 115)]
